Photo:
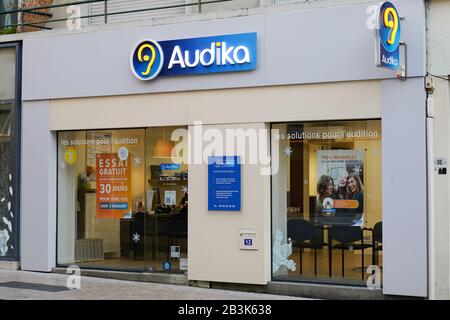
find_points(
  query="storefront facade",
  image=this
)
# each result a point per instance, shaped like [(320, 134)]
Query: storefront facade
[(313, 94)]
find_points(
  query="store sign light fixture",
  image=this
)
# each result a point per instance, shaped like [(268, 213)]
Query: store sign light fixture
[(226, 53)]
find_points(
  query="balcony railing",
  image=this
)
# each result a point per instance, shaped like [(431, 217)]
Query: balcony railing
[(33, 18)]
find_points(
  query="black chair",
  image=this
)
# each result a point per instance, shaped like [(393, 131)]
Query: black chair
[(377, 240), (304, 235), (177, 228), (347, 238)]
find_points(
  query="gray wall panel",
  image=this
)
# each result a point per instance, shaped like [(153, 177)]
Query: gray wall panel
[(334, 44), (405, 270), (321, 45), (38, 188)]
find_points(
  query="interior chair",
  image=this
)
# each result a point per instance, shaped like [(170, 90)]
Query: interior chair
[(177, 228), (304, 235), (377, 240), (348, 238), (151, 233)]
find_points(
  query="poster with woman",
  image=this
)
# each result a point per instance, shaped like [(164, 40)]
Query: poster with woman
[(340, 187)]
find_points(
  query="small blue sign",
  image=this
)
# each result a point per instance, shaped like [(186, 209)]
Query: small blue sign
[(114, 205), (169, 166), (167, 266), (389, 37), (248, 242), (224, 183), (216, 54)]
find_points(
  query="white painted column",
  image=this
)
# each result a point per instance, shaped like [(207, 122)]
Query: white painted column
[(213, 236), (38, 188), (404, 167)]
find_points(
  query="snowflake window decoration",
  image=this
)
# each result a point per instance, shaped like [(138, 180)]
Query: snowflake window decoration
[(136, 237), (4, 238), (357, 169), (288, 151), (137, 160)]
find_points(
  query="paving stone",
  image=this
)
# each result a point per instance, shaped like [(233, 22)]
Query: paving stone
[(109, 289)]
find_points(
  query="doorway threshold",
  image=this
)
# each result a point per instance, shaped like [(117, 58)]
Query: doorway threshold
[(154, 277)]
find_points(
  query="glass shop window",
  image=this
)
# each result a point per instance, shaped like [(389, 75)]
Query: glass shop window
[(8, 139), (122, 200), (326, 202)]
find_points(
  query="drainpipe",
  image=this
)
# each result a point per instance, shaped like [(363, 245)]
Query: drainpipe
[(431, 201)]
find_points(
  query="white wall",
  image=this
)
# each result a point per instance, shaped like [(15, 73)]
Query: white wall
[(38, 188), (331, 101), (404, 192), (439, 226), (438, 37), (438, 42)]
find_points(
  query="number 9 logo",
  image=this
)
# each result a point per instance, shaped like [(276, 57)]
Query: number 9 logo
[(390, 30), (146, 60)]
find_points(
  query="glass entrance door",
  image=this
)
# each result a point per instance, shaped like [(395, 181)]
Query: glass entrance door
[(166, 200)]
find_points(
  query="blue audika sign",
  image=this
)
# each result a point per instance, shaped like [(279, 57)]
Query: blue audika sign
[(224, 183), (216, 54), (169, 166), (389, 33)]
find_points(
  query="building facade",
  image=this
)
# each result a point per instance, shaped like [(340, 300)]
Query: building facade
[(269, 149), (438, 105)]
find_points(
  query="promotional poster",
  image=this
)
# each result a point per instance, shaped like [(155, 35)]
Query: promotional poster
[(340, 187), (113, 185)]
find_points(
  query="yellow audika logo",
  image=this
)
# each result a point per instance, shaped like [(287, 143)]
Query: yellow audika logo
[(391, 22), (147, 59), (70, 155)]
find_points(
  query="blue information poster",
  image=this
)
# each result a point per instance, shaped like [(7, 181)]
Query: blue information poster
[(224, 183)]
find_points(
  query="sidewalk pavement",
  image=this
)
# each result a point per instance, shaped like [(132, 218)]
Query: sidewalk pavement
[(16, 285)]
